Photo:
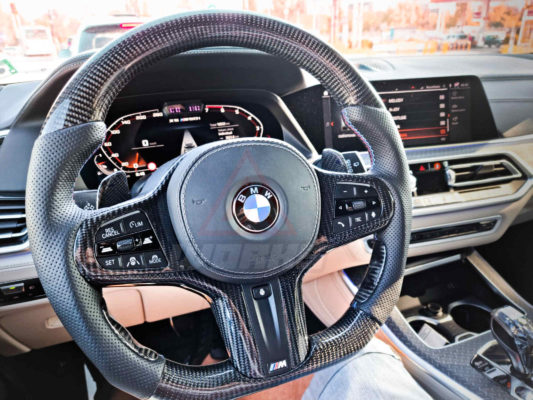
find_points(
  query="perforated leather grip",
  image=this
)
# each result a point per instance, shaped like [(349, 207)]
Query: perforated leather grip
[(52, 220)]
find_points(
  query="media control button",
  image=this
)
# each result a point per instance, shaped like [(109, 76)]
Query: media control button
[(345, 207), (345, 191), (372, 202), (373, 214), (367, 191), (358, 219), (341, 224)]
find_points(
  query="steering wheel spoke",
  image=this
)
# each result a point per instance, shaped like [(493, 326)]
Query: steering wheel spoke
[(263, 325), (353, 206), (130, 242)]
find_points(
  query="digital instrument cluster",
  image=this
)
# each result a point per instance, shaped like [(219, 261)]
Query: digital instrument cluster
[(139, 143)]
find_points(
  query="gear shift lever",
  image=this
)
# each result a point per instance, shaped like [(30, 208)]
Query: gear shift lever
[(514, 332)]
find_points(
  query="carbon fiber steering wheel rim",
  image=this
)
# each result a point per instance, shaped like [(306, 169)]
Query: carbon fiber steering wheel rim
[(61, 233)]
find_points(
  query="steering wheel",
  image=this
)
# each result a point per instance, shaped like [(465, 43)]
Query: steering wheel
[(251, 216)]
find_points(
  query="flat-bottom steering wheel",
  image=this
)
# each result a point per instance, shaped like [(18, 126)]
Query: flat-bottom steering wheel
[(251, 216)]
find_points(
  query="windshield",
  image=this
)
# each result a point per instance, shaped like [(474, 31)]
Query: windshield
[(35, 36)]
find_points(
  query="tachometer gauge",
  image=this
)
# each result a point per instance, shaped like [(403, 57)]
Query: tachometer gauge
[(139, 143)]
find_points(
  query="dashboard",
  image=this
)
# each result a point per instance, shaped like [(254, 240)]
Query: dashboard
[(467, 137), (463, 121), (145, 133)]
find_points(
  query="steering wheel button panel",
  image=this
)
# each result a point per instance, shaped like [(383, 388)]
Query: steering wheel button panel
[(136, 223), (124, 245), (154, 259), (341, 224), (109, 231), (110, 262), (355, 205), (132, 236)]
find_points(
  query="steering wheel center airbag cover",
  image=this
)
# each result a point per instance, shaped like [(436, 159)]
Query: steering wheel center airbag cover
[(211, 186)]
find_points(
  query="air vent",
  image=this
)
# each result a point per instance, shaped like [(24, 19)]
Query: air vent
[(477, 172), (13, 231)]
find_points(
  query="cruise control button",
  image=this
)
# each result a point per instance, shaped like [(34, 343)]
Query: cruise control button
[(109, 231), (105, 249), (132, 261), (125, 245), (155, 259), (136, 223), (109, 262), (341, 224), (146, 241)]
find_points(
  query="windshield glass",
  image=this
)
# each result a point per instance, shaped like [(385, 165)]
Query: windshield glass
[(35, 36)]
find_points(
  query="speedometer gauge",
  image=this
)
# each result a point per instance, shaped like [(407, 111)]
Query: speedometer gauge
[(140, 142)]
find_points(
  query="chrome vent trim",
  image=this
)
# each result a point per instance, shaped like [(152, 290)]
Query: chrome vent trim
[(13, 230), (498, 166)]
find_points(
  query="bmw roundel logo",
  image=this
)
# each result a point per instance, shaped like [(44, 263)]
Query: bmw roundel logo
[(255, 208)]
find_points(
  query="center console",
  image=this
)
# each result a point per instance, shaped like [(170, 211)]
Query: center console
[(508, 360), (454, 320), (449, 303)]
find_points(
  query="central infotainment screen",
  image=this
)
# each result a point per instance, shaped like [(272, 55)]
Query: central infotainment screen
[(428, 111)]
